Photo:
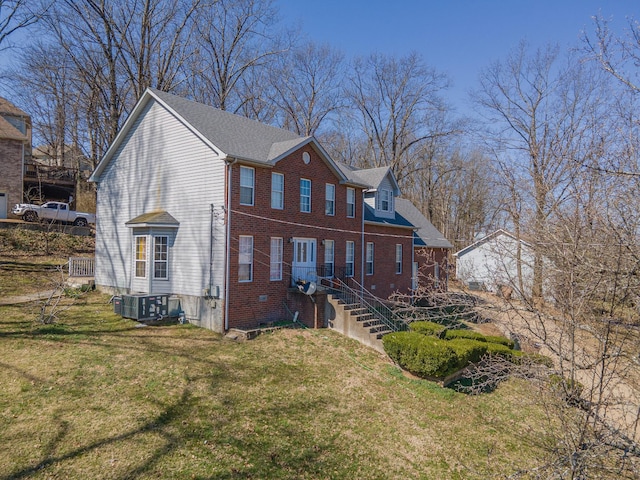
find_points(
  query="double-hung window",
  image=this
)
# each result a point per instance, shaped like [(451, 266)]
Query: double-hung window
[(141, 256), (275, 268), (351, 202), (398, 258), (329, 254), (245, 258), (384, 200), (305, 195), (369, 258), (350, 258), (330, 199), (277, 191), (247, 180), (161, 257)]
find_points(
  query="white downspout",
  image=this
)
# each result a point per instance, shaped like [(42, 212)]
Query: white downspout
[(227, 262), (362, 245)]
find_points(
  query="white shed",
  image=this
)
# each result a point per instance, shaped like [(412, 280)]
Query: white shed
[(492, 262)]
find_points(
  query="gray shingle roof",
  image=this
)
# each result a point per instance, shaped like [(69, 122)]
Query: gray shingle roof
[(9, 132), (236, 136), (397, 221), (372, 176), (427, 234), (489, 237), (9, 108), (154, 219)]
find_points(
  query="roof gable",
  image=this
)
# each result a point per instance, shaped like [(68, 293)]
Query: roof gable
[(234, 136), (9, 132), (498, 233), (9, 108)]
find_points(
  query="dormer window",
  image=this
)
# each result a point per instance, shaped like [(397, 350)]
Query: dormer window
[(384, 200)]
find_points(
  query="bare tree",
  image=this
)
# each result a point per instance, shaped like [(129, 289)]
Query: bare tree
[(234, 37), (545, 117), (306, 85), (16, 15), (156, 43), (398, 107)]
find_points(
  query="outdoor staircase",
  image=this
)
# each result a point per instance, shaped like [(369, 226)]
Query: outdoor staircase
[(361, 316)]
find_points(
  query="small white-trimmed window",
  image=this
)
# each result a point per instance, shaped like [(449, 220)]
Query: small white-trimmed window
[(277, 191), (351, 202), (398, 258), (350, 257), (247, 183), (305, 195), (245, 258), (141, 256), (384, 200), (330, 199), (161, 257), (275, 268), (329, 255), (369, 259)]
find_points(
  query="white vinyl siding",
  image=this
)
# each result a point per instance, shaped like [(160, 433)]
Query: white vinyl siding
[(369, 259), (162, 165), (350, 258), (245, 258), (330, 199), (277, 191), (305, 195), (351, 202), (275, 268), (247, 185)]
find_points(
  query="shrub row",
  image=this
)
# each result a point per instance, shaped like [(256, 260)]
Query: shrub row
[(440, 331), (471, 335), (422, 355), (428, 328)]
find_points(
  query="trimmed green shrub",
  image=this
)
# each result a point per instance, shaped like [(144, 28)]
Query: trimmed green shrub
[(501, 341), (400, 344), (421, 355), (428, 328), (468, 351), (466, 334), (471, 335), (500, 349)]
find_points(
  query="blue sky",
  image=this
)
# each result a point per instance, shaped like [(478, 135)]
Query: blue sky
[(457, 37)]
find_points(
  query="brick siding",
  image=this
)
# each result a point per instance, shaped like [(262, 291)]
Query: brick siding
[(11, 171), (263, 300)]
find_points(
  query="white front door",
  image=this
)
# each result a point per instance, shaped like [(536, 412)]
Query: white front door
[(303, 266)]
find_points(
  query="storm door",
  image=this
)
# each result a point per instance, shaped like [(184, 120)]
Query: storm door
[(303, 266)]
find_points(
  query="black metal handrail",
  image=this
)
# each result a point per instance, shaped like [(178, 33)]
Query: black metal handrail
[(355, 295)]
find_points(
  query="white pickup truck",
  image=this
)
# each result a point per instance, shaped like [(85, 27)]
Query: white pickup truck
[(55, 211)]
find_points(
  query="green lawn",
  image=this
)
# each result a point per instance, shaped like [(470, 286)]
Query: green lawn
[(93, 396)]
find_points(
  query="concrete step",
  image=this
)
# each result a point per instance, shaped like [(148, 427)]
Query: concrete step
[(382, 333)]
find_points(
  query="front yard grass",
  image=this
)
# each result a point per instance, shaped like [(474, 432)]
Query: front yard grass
[(94, 396)]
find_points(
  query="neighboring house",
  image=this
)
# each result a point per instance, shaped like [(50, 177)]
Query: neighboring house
[(52, 173), (228, 214), (494, 261), (431, 249), (15, 147)]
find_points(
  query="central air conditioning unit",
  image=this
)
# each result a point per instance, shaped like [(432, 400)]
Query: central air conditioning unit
[(144, 306)]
